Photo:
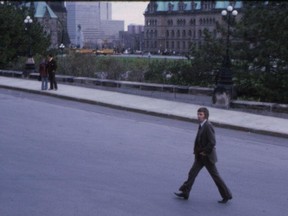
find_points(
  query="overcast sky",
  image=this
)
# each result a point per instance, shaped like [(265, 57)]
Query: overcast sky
[(129, 11)]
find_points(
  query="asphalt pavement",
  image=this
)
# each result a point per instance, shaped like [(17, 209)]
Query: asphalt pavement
[(220, 117)]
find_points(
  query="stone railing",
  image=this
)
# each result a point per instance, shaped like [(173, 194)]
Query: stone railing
[(166, 90)]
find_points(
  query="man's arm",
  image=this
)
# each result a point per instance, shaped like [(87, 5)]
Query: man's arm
[(210, 140)]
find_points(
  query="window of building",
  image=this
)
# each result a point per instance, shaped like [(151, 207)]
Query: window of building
[(151, 34), (184, 34), (152, 6), (170, 22), (153, 22), (193, 5), (182, 6), (170, 6), (192, 22), (205, 6), (181, 22), (199, 33)]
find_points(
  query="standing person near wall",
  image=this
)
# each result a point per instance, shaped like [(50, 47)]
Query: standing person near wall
[(43, 74), (51, 68), (205, 156)]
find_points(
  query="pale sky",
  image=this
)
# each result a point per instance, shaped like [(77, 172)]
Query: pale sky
[(129, 11)]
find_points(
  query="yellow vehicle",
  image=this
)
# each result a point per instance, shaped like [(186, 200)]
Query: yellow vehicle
[(85, 51), (105, 52)]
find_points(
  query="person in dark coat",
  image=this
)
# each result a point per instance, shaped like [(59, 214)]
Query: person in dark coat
[(205, 156), (51, 68)]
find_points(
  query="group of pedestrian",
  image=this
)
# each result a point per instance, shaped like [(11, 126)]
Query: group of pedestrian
[(47, 70), (204, 144)]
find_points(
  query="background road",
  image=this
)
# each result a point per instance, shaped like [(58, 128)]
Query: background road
[(64, 158)]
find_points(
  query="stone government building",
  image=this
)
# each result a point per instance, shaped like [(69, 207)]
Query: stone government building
[(53, 17), (172, 26), (62, 19)]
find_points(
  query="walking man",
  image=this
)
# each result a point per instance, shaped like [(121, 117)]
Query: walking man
[(205, 156)]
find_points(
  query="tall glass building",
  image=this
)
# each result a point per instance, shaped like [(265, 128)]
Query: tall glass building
[(90, 24)]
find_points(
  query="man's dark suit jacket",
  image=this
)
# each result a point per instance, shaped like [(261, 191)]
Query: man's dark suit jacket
[(205, 142), (51, 66)]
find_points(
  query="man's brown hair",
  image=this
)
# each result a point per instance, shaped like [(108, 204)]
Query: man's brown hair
[(205, 111)]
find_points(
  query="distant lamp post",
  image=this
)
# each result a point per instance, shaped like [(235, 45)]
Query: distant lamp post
[(228, 13), (62, 47), (30, 64), (224, 89)]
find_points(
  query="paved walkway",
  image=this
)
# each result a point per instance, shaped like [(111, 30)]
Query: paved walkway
[(184, 111)]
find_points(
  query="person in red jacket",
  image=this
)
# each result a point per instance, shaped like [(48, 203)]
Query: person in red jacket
[(43, 74)]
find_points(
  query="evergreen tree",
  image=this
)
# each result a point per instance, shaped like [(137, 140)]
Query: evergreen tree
[(263, 51), (14, 40), (263, 31), (206, 59)]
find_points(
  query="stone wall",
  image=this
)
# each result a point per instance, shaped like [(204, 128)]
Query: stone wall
[(192, 94)]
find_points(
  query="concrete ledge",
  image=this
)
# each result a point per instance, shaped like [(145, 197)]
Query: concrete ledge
[(280, 108), (131, 85), (151, 87), (33, 76), (182, 89), (169, 88), (201, 90), (64, 78), (9, 73), (84, 80), (271, 107), (110, 83)]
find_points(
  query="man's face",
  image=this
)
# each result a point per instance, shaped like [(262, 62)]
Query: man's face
[(201, 116)]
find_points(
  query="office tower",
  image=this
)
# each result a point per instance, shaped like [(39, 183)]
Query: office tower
[(90, 23)]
